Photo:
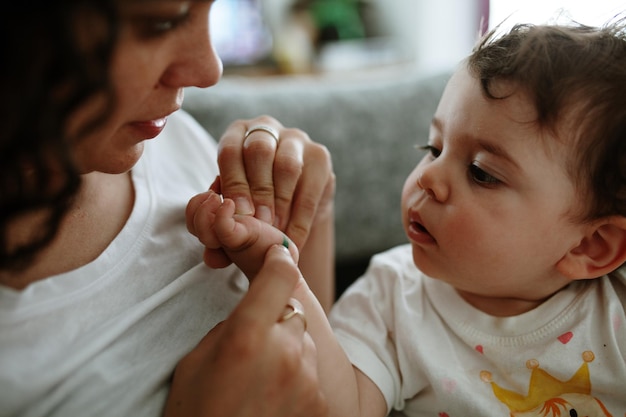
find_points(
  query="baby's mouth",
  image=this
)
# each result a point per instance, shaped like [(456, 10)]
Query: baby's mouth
[(417, 230), (421, 228)]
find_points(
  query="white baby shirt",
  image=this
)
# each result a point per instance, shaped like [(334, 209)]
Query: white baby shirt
[(432, 354)]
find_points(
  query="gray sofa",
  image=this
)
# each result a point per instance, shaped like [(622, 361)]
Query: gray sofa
[(369, 123)]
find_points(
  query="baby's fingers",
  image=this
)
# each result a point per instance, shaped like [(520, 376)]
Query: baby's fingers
[(216, 258), (192, 208), (200, 215)]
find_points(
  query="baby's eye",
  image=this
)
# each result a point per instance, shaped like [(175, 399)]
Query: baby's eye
[(434, 152), (481, 177)]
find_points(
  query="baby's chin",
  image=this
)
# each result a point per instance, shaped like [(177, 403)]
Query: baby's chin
[(425, 264)]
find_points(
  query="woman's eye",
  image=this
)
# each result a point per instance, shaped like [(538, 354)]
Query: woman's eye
[(160, 26), (163, 25), (481, 177), (434, 152), (148, 27)]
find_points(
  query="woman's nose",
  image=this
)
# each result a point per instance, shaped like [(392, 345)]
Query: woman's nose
[(432, 179), (196, 64)]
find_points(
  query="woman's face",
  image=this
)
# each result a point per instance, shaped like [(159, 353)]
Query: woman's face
[(163, 46)]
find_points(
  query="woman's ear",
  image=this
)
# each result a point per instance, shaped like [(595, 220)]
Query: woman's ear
[(601, 251)]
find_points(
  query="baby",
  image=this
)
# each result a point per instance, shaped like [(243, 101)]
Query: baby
[(508, 299)]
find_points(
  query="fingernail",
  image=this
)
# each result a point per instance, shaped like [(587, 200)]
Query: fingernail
[(283, 250), (277, 221), (243, 206), (264, 213), (213, 197)]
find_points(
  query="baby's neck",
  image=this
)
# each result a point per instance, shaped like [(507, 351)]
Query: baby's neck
[(501, 307)]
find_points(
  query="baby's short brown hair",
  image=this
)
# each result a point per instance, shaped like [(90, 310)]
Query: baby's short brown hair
[(575, 73)]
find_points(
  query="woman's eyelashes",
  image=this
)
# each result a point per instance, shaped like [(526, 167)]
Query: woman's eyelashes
[(156, 26), (158, 20)]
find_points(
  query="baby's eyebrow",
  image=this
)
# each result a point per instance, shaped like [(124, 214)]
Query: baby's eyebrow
[(488, 146), (497, 150), (436, 123)]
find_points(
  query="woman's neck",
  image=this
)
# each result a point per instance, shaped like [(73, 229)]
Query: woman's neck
[(97, 215)]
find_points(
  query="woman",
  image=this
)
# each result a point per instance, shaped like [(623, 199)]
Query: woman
[(102, 288)]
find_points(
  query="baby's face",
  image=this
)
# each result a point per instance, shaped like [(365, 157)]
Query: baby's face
[(489, 208)]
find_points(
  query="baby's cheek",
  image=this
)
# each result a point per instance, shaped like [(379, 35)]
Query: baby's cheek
[(467, 232)]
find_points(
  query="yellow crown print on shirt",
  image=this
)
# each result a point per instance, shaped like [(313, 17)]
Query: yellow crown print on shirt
[(549, 396)]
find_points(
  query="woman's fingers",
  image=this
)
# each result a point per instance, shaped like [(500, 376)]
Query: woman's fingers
[(287, 173), (293, 314), (314, 194), (259, 149), (271, 289), (282, 181), (246, 166)]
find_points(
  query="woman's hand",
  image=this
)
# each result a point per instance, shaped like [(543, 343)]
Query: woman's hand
[(252, 365), (287, 182)]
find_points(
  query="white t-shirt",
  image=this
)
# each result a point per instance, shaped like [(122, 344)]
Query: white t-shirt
[(104, 339), (432, 354)]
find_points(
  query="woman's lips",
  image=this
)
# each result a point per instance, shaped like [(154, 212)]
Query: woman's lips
[(150, 128)]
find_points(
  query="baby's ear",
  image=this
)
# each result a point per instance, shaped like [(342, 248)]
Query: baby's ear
[(601, 251)]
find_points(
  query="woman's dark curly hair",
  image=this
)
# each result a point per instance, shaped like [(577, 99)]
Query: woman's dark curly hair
[(577, 74), (51, 68)]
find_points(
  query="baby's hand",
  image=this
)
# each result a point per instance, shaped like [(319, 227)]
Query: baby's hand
[(243, 239)]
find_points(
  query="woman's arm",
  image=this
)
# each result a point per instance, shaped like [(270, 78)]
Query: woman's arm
[(317, 256)]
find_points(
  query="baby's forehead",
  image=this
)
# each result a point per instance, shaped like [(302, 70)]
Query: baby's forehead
[(525, 107), (507, 101), (504, 111)]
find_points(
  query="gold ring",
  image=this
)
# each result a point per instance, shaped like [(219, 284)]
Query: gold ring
[(268, 129), (295, 311)]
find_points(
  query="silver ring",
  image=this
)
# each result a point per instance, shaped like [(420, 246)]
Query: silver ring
[(268, 129), (295, 311)]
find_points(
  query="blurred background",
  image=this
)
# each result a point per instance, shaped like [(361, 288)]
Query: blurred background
[(305, 36), (362, 77)]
